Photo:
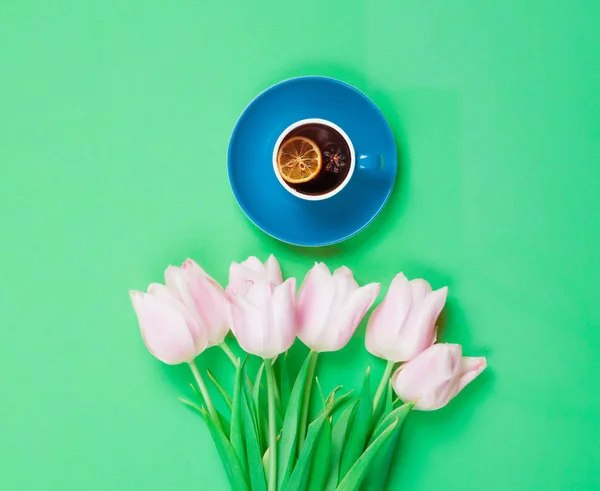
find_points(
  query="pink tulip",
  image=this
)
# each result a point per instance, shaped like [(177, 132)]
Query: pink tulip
[(204, 298), (436, 376), (242, 276), (404, 325), (263, 317), (169, 331), (330, 307)]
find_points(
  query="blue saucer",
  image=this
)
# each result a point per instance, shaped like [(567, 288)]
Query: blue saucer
[(256, 187)]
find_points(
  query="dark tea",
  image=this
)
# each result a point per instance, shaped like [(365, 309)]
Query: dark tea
[(332, 154)]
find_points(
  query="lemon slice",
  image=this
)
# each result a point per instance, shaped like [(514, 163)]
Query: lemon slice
[(299, 160)]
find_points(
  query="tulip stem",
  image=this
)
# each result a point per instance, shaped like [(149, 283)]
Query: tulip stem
[(235, 361), (272, 426), (205, 395), (383, 384), (227, 350), (306, 400)]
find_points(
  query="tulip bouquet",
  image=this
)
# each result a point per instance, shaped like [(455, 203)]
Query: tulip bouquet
[(269, 439)]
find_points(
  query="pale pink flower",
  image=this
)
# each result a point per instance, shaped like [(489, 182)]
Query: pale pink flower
[(404, 324), (331, 306), (204, 298), (263, 317), (436, 376), (169, 331)]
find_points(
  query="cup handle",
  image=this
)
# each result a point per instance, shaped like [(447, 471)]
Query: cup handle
[(370, 162)]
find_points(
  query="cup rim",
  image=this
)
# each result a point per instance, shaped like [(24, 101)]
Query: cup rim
[(308, 197)]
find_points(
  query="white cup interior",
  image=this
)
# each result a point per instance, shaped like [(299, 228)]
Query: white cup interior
[(309, 197)]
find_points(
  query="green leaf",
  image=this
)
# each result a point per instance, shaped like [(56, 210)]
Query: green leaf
[(249, 393), (197, 392), (361, 427), (199, 409), (385, 407), (319, 467), (299, 477), (236, 434), (358, 471), (191, 404), (399, 413), (340, 401), (287, 443), (265, 462), (253, 449), (397, 403), (265, 458), (338, 440), (221, 390), (378, 413), (323, 401), (377, 475), (233, 468), (224, 423)]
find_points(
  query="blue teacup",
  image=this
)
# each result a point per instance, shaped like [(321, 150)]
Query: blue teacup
[(364, 161)]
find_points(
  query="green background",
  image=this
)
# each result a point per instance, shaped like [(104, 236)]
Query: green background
[(114, 123)]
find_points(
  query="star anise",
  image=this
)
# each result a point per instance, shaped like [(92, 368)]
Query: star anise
[(334, 159)]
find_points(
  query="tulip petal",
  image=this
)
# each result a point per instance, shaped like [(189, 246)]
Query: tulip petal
[(164, 329), (420, 289), (197, 331), (164, 295), (259, 295), (241, 277), (209, 302), (246, 324), (255, 265), (283, 331), (194, 266), (264, 319), (420, 332), (176, 283), (345, 285), (387, 321), (343, 271), (471, 367), (431, 379), (202, 296), (351, 314), (400, 295), (314, 304), (273, 271)]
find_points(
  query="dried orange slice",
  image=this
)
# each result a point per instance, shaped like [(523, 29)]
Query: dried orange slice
[(299, 160)]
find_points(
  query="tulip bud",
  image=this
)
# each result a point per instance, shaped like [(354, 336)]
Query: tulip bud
[(331, 306), (263, 318), (169, 331), (204, 298), (436, 376), (404, 324)]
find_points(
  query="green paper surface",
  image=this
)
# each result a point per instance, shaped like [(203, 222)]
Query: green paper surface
[(114, 124)]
